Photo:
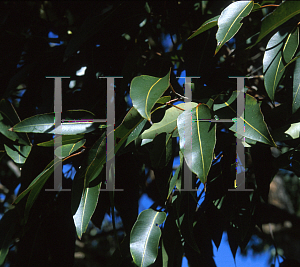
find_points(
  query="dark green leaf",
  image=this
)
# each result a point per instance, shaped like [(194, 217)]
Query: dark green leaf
[(144, 237), (86, 208), (66, 139), (66, 150), (229, 21), (283, 13), (145, 91), (168, 123), (198, 146), (8, 118), (296, 87), (18, 153), (206, 26), (279, 51), (161, 153)]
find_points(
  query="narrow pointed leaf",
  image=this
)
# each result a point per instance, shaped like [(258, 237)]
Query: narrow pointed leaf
[(229, 21), (136, 132), (145, 91), (66, 150), (18, 153), (197, 139), (206, 26), (163, 100), (144, 237), (44, 123), (296, 87), (174, 179), (281, 14), (66, 139), (8, 118), (86, 208), (168, 123), (280, 50)]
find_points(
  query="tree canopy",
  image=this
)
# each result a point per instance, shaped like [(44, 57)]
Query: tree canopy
[(145, 86)]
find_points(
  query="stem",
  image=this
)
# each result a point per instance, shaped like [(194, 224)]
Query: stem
[(269, 5)]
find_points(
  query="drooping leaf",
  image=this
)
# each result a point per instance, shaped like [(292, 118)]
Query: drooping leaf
[(66, 139), (280, 50), (66, 150), (145, 91), (168, 123), (44, 123), (161, 153), (144, 237), (229, 21), (86, 208), (281, 14), (206, 26), (296, 87), (198, 143), (18, 153), (8, 118), (175, 177)]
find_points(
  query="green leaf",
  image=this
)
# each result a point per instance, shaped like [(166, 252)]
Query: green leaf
[(168, 123), (144, 237), (136, 132), (280, 50), (296, 87), (255, 126), (145, 91), (198, 146), (66, 150), (206, 26), (66, 139), (176, 175), (44, 123), (163, 100), (8, 118), (18, 153), (130, 122), (229, 21), (161, 153), (86, 209), (281, 14), (41, 178), (288, 132)]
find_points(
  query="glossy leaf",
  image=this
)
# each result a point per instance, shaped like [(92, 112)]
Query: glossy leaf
[(8, 118), (66, 139), (66, 150), (18, 153), (281, 14), (167, 124), (280, 50), (44, 123), (296, 87), (255, 126), (288, 132), (144, 237), (206, 26), (229, 21), (197, 146), (161, 153), (145, 91), (86, 208)]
